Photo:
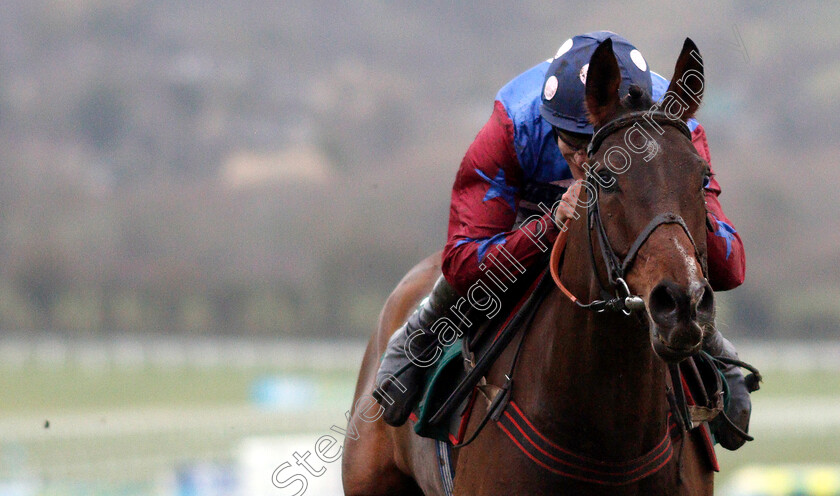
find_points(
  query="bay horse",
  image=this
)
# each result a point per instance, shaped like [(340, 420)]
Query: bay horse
[(589, 383)]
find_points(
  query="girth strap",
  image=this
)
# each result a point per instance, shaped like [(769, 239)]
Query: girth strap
[(561, 461)]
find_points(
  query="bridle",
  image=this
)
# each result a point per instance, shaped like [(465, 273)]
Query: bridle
[(623, 301), (513, 421)]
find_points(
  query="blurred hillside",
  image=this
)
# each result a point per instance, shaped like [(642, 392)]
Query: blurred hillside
[(274, 167)]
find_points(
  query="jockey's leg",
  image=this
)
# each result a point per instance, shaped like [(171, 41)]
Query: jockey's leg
[(401, 376), (740, 405)]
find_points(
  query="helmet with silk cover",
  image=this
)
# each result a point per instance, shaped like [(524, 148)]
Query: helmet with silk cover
[(564, 88)]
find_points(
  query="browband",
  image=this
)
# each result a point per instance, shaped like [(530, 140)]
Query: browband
[(631, 118)]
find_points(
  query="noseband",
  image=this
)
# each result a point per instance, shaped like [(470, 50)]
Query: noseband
[(623, 300)]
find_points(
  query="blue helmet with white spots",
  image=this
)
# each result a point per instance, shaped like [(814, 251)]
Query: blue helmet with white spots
[(564, 88)]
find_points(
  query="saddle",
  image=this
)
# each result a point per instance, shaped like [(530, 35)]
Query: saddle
[(452, 385)]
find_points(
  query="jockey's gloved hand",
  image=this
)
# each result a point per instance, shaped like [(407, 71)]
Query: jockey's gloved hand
[(740, 405)]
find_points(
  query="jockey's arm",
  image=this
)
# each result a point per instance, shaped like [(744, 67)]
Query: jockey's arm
[(483, 210), (725, 250)]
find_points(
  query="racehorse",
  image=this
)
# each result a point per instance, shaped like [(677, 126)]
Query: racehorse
[(589, 384)]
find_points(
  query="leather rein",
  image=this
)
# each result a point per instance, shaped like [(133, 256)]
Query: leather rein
[(623, 301)]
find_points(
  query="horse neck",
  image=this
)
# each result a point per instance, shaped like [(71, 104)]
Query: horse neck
[(599, 384)]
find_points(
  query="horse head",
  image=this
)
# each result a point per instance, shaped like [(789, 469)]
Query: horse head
[(646, 199)]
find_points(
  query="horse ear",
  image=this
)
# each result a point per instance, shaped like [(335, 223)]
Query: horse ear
[(686, 89), (602, 81)]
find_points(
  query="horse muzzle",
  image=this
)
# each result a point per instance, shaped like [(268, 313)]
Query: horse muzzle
[(678, 318)]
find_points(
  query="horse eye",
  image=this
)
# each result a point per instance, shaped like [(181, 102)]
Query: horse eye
[(707, 179), (607, 181)]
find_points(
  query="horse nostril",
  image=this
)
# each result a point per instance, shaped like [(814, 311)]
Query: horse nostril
[(705, 306), (663, 304)]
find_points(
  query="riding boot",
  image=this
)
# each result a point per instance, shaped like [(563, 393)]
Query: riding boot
[(740, 406), (410, 352)]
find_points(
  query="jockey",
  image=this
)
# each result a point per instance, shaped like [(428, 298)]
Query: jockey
[(519, 159)]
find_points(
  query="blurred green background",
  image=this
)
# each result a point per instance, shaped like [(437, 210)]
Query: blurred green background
[(203, 206), (150, 416)]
